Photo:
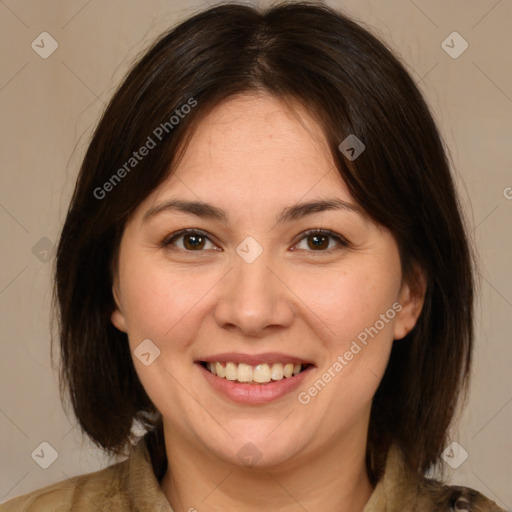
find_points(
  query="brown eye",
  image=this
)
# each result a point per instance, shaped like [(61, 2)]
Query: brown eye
[(193, 240), (318, 240)]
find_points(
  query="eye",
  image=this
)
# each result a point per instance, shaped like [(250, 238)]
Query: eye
[(318, 240), (193, 240)]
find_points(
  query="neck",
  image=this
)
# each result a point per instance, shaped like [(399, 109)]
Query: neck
[(332, 480)]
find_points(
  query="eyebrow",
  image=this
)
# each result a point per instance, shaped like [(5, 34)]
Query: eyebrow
[(288, 214)]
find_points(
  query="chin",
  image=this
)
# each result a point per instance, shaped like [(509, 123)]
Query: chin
[(259, 451)]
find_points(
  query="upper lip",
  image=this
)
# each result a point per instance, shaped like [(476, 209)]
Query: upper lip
[(253, 359)]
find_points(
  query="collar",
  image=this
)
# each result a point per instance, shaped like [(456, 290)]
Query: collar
[(397, 490), (143, 486)]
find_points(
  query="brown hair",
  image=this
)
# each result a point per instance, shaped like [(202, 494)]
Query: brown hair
[(352, 84)]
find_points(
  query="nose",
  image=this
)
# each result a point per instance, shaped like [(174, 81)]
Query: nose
[(254, 298)]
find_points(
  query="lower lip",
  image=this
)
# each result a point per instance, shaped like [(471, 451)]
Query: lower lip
[(254, 393)]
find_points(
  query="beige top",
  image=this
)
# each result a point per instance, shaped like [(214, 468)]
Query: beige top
[(131, 486)]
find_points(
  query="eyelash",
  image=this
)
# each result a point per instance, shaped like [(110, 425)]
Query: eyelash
[(341, 240)]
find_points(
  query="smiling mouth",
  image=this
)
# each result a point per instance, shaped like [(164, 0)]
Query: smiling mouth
[(254, 375)]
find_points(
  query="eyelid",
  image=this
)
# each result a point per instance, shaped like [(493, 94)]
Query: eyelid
[(342, 241), (168, 239)]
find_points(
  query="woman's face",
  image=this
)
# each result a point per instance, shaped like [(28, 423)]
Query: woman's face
[(249, 285)]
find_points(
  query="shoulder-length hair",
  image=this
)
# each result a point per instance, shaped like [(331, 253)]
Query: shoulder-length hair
[(352, 84)]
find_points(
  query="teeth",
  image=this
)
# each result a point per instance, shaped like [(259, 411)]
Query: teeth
[(231, 371), (262, 373), (259, 374), (276, 371), (221, 371), (244, 373)]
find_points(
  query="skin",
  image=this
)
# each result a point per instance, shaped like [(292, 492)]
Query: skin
[(253, 156)]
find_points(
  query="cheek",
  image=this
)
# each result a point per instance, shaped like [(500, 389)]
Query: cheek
[(350, 301), (164, 306), (160, 303), (357, 307)]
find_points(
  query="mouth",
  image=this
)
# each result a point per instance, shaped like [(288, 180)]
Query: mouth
[(254, 375), (254, 379)]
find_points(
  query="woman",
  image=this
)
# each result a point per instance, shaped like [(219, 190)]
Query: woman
[(264, 264)]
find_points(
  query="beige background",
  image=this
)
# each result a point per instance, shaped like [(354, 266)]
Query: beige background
[(49, 107)]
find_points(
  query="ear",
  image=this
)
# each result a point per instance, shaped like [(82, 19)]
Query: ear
[(411, 298), (117, 317)]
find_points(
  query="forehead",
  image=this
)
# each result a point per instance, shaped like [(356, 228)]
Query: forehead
[(254, 149)]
